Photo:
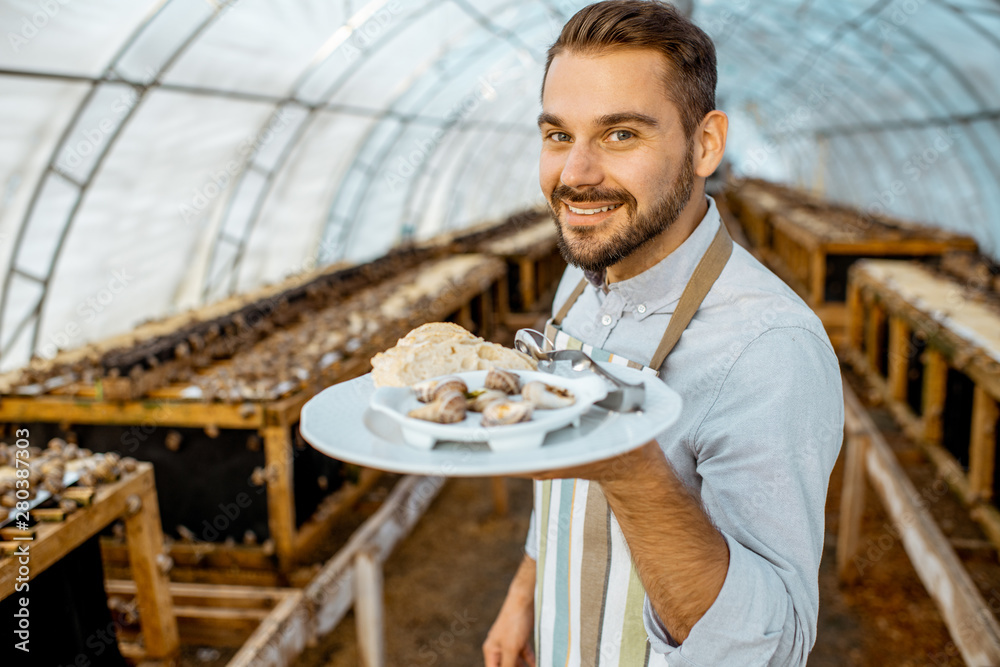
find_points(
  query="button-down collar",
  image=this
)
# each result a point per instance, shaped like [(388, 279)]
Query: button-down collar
[(669, 276)]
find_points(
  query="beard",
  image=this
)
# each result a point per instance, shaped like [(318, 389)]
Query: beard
[(594, 249)]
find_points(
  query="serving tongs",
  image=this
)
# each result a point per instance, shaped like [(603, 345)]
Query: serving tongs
[(625, 397)]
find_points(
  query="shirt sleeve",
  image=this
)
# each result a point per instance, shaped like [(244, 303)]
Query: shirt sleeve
[(765, 450)]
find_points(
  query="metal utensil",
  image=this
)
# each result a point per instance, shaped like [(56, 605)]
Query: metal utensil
[(625, 397)]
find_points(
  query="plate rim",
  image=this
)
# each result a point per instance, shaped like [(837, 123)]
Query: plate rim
[(447, 463)]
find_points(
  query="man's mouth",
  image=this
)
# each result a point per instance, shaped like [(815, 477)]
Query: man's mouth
[(591, 211)]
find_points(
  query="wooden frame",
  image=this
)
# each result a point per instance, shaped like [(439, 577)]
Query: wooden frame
[(892, 291), (353, 577), (207, 615), (972, 625), (798, 235), (272, 420), (532, 256), (132, 498)]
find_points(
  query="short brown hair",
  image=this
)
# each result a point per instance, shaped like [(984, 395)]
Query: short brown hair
[(648, 24)]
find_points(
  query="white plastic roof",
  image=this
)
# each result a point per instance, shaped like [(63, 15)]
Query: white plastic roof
[(159, 155)]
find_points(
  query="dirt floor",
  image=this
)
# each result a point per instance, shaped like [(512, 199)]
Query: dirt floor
[(446, 582)]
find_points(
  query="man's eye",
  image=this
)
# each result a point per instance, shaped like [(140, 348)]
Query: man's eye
[(559, 136), (621, 135)]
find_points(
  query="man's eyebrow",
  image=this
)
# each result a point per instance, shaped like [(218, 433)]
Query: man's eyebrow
[(546, 118), (626, 118), (621, 118)]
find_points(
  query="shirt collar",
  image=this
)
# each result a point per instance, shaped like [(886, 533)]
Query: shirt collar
[(663, 283)]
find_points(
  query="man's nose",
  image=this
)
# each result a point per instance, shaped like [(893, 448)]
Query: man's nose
[(582, 167)]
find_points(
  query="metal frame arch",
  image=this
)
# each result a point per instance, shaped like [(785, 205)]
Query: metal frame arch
[(342, 242), (109, 76), (426, 173), (231, 272), (848, 110), (926, 94)]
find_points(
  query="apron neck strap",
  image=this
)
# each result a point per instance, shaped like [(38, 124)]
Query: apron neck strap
[(568, 304), (709, 267), (705, 273)]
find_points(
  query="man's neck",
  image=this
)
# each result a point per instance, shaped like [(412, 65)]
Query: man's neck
[(653, 252)]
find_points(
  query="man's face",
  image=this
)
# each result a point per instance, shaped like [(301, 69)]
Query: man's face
[(615, 163)]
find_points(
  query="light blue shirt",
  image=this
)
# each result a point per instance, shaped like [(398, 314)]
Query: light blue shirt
[(758, 436)]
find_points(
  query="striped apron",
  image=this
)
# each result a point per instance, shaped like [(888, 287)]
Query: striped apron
[(582, 555)]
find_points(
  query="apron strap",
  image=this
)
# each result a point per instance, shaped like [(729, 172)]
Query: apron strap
[(704, 276), (568, 304)]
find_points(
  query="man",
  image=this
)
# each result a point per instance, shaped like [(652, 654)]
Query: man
[(702, 547)]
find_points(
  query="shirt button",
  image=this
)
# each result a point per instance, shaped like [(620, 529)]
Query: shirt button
[(606, 320), (641, 308)]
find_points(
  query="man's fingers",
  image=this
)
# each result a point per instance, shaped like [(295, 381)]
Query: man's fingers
[(528, 656), (491, 656)]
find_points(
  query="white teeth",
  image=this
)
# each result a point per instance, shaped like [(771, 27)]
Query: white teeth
[(592, 211)]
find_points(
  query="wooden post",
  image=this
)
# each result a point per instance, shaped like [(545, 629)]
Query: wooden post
[(503, 299), (855, 317), (465, 317), (486, 316), (876, 319), (527, 277), (369, 609), (982, 444), (280, 492), (899, 358), (156, 608), (852, 505), (818, 276), (935, 388)]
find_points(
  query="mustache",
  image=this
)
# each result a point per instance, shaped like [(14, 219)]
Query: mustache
[(568, 194)]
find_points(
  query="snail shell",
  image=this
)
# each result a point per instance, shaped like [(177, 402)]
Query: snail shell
[(429, 390), (506, 412), (447, 408), (483, 397), (502, 380), (546, 397)]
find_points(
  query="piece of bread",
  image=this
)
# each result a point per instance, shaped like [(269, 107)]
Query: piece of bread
[(441, 348)]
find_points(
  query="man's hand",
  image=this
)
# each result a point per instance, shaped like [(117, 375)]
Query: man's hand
[(509, 642)]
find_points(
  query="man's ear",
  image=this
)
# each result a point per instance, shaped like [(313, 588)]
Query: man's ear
[(710, 142)]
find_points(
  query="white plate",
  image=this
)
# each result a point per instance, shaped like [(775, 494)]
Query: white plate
[(397, 402), (339, 423)]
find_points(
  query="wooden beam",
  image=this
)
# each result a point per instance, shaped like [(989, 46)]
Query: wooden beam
[(973, 628), (145, 541), (852, 504), (982, 445), (56, 409), (935, 389), (369, 612), (873, 348), (280, 493), (855, 314), (55, 540), (324, 602), (899, 358), (527, 284), (209, 595), (330, 509), (817, 276)]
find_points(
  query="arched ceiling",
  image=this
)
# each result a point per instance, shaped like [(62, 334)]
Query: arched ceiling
[(158, 155)]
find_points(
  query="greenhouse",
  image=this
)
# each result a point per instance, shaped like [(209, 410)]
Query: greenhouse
[(241, 243)]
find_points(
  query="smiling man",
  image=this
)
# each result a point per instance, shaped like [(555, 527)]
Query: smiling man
[(703, 546)]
